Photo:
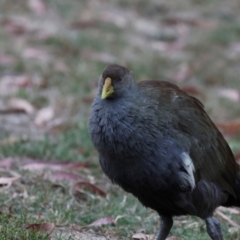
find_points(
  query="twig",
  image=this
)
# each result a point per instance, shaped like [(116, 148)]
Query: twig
[(229, 220)]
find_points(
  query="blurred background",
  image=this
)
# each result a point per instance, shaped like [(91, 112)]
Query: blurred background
[(51, 55)]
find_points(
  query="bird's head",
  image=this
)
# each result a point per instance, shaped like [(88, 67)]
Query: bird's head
[(116, 82)]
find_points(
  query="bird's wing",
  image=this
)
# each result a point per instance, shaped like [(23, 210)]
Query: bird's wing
[(212, 157)]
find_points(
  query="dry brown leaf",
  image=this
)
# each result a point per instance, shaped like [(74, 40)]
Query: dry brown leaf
[(11, 83), (39, 165), (19, 104), (41, 227), (60, 66), (37, 6), (84, 25), (174, 238), (190, 21), (60, 126), (43, 116), (142, 236), (6, 59), (119, 20), (36, 53), (6, 163), (191, 90), (79, 186), (7, 181), (231, 94), (167, 47), (102, 221), (16, 28), (87, 100), (63, 175), (229, 127)]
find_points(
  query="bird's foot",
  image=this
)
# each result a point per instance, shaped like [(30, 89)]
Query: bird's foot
[(214, 228)]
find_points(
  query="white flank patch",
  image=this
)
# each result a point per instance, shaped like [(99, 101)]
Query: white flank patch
[(174, 97), (188, 164)]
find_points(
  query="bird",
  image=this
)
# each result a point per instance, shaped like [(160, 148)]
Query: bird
[(158, 143)]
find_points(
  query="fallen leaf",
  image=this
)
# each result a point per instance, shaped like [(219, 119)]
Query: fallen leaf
[(41, 227), (6, 163), (81, 150), (191, 90), (11, 83), (119, 20), (199, 22), (102, 221), (142, 236), (6, 59), (43, 116), (7, 181), (19, 105), (84, 25), (167, 47), (87, 100), (36, 53), (231, 94), (79, 186), (146, 26), (39, 165), (16, 28), (60, 127), (229, 127), (60, 66), (63, 175), (37, 6)]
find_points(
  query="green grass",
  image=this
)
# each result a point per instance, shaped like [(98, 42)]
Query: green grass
[(64, 147), (14, 229), (228, 33)]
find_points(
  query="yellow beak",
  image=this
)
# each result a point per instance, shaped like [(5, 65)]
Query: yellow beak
[(107, 89)]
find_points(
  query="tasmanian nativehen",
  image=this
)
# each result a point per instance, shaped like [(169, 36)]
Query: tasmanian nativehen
[(158, 143)]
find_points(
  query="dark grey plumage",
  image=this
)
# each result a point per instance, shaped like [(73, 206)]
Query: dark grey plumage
[(158, 143)]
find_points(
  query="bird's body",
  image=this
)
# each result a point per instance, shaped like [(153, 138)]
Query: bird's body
[(158, 143)]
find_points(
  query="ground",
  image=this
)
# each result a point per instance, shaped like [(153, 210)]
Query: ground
[(51, 55)]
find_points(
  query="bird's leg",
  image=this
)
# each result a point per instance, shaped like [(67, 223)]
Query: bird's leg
[(214, 228), (164, 228)]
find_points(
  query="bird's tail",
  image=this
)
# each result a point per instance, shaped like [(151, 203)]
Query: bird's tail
[(235, 201), (237, 190)]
